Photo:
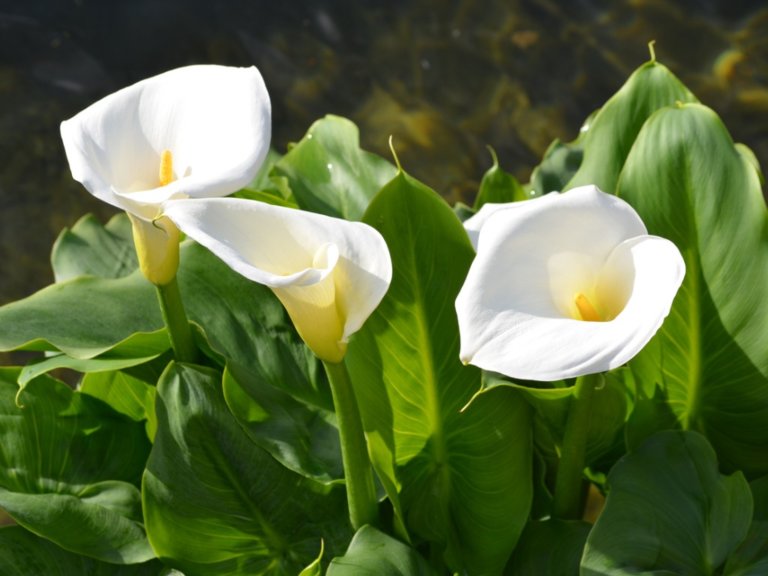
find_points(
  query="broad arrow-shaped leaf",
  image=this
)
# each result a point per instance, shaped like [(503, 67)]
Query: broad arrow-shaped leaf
[(461, 480), (610, 134), (690, 184), (669, 512), (329, 173), (217, 503)]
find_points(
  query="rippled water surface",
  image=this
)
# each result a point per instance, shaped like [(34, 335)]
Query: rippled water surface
[(444, 77)]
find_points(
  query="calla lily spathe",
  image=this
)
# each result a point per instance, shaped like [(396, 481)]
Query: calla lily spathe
[(563, 285), (330, 274), (193, 132)]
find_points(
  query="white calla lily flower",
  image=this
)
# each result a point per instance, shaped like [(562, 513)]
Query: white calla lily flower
[(194, 132), (330, 274), (563, 285)]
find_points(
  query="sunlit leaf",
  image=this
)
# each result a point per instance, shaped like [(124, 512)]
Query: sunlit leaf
[(611, 132), (459, 479), (691, 185), (329, 173)]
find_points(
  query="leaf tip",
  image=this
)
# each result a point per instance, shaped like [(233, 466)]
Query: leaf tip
[(17, 399), (493, 155), (652, 51), (394, 154)]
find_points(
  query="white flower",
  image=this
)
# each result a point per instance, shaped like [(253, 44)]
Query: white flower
[(213, 120), (563, 285), (330, 274), (193, 132)]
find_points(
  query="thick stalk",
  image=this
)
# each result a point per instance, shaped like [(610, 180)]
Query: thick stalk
[(568, 503), (176, 322), (361, 492)]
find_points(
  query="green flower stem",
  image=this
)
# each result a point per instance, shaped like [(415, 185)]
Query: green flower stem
[(567, 503), (361, 492), (176, 321)]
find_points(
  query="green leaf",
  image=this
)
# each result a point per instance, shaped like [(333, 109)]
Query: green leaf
[(24, 554), (551, 405), (90, 249), (669, 510), (461, 480), (268, 188), (609, 137), (760, 495), (751, 557), (373, 553), (549, 548), (301, 436), (243, 321), (691, 185), (103, 363), (69, 317), (69, 469), (247, 325), (498, 186), (316, 567), (216, 503), (560, 163), (330, 174), (125, 394)]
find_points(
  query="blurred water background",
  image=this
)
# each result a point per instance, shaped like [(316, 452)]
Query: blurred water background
[(445, 77)]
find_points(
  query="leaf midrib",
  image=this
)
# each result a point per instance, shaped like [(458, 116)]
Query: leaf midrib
[(693, 272), (426, 353)]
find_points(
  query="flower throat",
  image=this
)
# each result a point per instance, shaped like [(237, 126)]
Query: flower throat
[(166, 168)]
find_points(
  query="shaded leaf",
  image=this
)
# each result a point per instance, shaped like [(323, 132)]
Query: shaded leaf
[(302, 437), (69, 469), (24, 554), (373, 553), (498, 186), (216, 503), (690, 184), (552, 404), (560, 163), (549, 548), (90, 249), (751, 557), (669, 510), (125, 394)]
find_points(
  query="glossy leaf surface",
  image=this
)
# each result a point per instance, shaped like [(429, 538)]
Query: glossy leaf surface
[(59, 477), (611, 132), (373, 553), (452, 482), (691, 185), (329, 173), (90, 249), (215, 502)]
